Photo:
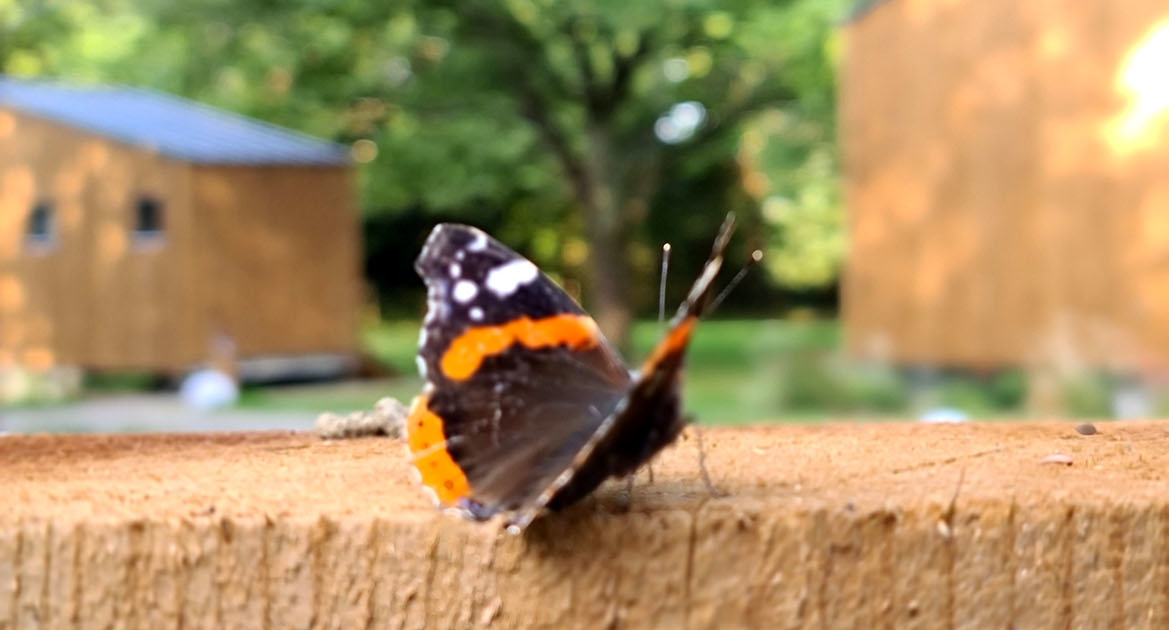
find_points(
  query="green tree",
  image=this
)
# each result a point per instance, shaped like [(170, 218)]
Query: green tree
[(613, 91), (575, 116), (25, 29)]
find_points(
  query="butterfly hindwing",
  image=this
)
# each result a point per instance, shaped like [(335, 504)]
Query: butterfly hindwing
[(649, 417)]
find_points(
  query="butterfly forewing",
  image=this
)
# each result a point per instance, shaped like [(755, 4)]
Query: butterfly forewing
[(519, 378)]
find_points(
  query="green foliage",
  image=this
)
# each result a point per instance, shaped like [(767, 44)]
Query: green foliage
[(517, 113), (393, 344), (1007, 390), (825, 383), (1087, 396), (790, 156)]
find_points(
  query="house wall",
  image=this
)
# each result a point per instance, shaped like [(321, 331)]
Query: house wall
[(278, 258), (96, 296), (1006, 177), (268, 256)]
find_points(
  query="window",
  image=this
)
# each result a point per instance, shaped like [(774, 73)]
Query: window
[(39, 231), (148, 221)]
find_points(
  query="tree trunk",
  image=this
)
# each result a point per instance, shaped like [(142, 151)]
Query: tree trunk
[(608, 267)]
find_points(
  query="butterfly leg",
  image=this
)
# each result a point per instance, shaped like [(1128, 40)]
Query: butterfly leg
[(710, 487), (628, 507)]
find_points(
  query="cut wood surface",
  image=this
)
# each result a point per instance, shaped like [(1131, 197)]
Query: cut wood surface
[(837, 526)]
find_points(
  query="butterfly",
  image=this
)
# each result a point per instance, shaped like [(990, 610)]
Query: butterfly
[(527, 407)]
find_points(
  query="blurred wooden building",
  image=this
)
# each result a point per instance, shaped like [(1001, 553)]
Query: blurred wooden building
[(1007, 179), (143, 231)]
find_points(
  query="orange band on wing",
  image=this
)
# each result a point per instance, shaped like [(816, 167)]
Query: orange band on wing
[(427, 441), (469, 349), (675, 341)]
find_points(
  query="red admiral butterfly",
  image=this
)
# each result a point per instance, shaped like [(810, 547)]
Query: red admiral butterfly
[(527, 406)]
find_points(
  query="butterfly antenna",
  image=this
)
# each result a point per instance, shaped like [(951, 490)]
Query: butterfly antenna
[(699, 296), (756, 257), (662, 284)]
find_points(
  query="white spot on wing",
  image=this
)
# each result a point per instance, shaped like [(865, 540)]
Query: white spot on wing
[(480, 242), (456, 270), (506, 279), (421, 366), (476, 313), (465, 291)]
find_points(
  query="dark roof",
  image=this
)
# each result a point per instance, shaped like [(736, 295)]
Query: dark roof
[(173, 126)]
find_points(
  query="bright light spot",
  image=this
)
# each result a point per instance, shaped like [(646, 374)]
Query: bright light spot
[(363, 150), (689, 114), (1142, 79), (397, 70), (679, 124), (718, 24), (667, 131), (676, 69), (775, 208), (700, 61)]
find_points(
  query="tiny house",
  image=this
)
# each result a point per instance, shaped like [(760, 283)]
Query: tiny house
[(143, 231)]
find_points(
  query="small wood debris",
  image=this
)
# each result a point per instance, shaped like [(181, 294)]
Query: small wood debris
[(1086, 428), (387, 418), (1057, 458)]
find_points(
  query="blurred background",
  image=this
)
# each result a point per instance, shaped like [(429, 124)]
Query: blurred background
[(209, 209)]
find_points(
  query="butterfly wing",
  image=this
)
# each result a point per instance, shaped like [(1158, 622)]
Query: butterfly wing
[(519, 378), (649, 417)]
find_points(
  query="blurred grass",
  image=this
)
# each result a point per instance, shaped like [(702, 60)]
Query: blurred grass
[(735, 368), (738, 371), (336, 397), (392, 344)]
